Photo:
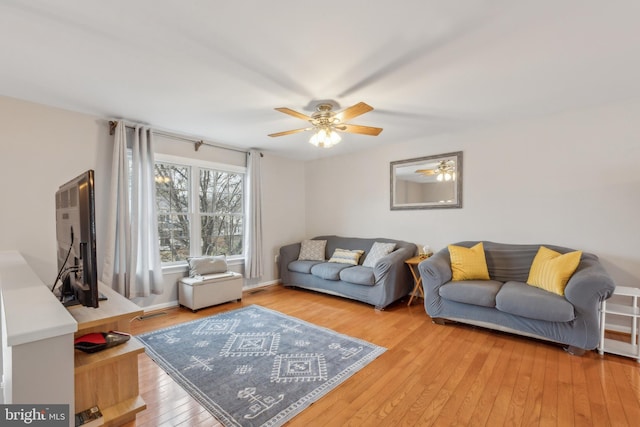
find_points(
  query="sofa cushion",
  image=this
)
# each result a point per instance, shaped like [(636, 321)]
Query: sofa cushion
[(377, 251), (302, 266), (551, 270), (476, 292), (520, 299), (358, 274), (468, 263), (328, 270), (312, 250), (346, 256)]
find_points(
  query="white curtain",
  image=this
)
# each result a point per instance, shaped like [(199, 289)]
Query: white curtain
[(253, 232), (132, 259)]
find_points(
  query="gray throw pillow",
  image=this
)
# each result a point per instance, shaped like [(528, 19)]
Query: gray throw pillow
[(312, 250), (201, 266)]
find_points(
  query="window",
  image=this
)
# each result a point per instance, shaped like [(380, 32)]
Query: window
[(173, 194), (200, 209), (221, 212)]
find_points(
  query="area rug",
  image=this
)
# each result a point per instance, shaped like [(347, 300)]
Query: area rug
[(254, 366)]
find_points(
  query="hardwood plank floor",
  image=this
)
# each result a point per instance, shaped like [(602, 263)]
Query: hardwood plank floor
[(431, 375)]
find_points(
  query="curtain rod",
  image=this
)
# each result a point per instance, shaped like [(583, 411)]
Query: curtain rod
[(197, 142)]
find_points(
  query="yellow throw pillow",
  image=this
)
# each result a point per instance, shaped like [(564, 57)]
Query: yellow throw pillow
[(468, 263), (552, 270)]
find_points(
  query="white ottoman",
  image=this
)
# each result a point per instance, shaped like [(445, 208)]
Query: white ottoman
[(204, 291)]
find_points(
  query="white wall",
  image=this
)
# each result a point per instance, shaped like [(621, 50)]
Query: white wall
[(43, 147), (283, 201), (569, 179)]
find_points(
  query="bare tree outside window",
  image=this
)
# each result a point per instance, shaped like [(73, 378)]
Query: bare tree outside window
[(172, 198), (221, 210), (218, 204)]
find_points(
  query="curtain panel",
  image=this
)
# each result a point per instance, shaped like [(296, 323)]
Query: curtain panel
[(132, 259), (253, 265)]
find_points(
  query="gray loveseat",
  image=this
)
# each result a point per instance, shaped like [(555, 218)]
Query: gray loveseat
[(508, 304), (387, 281)]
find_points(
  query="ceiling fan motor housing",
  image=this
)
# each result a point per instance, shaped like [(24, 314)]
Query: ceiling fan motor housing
[(324, 116)]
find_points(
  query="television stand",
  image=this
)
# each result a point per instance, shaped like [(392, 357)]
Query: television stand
[(108, 378)]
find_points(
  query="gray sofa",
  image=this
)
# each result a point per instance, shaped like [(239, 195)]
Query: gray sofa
[(387, 281), (508, 304)]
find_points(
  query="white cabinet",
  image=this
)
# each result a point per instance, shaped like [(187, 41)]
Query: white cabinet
[(628, 309), (36, 337)]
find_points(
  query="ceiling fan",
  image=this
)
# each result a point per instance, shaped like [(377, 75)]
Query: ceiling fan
[(445, 171), (326, 123)]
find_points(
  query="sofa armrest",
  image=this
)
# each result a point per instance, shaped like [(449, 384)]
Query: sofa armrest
[(435, 271), (288, 253), (394, 259), (588, 286)]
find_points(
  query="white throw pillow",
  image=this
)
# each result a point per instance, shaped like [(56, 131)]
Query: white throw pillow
[(378, 250), (201, 266), (312, 250), (346, 256)]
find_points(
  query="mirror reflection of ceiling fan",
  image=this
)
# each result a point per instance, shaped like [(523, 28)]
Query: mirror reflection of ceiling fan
[(445, 171), (326, 123)]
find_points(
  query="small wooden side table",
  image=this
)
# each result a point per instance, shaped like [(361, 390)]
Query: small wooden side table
[(417, 280)]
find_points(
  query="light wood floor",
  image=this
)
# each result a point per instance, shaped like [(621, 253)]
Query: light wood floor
[(430, 374)]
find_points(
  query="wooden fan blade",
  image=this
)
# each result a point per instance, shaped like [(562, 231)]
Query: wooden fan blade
[(353, 111), (364, 130), (293, 113), (426, 171), (288, 132)]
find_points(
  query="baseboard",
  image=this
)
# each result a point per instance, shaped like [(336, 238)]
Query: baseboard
[(260, 285), (164, 305)]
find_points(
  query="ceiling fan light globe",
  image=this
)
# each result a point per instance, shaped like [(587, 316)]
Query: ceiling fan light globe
[(335, 137), (315, 140), (325, 138)]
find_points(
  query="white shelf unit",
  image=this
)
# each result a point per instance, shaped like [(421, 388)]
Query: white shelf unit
[(631, 310)]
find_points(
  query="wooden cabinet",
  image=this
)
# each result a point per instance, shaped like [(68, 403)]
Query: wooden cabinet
[(631, 310), (109, 378)]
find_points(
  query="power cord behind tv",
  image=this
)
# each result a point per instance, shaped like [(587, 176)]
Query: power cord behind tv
[(62, 267)]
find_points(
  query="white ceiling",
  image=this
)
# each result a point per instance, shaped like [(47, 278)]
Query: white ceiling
[(217, 69)]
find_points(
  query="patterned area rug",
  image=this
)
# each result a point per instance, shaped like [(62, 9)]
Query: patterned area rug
[(254, 366)]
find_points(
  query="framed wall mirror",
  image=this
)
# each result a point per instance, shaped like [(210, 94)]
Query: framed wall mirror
[(432, 182)]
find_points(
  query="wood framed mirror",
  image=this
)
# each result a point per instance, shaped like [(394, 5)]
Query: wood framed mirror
[(431, 182)]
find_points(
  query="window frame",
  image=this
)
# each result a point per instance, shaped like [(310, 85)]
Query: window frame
[(195, 166)]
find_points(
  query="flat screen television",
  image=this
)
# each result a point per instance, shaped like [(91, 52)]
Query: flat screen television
[(76, 242)]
